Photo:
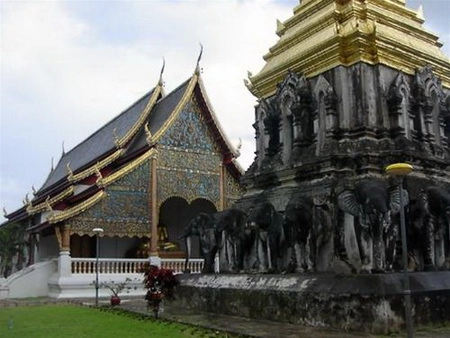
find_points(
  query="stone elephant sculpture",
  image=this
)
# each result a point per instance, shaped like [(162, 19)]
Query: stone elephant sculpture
[(266, 223), (222, 231), (308, 228), (372, 203), (433, 206), (297, 224), (231, 226), (203, 226)]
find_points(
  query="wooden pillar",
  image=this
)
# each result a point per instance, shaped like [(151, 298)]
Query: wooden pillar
[(154, 209)]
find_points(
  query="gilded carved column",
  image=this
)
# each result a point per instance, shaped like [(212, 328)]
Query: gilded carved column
[(63, 236), (64, 261)]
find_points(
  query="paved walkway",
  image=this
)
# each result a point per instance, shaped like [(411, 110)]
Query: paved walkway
[(233, 325)]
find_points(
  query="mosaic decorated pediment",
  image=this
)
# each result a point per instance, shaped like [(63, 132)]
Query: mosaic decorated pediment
[(190, 131), (126, 209)]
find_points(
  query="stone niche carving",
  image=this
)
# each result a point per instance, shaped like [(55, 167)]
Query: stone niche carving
[(428, 109), (294, 118)]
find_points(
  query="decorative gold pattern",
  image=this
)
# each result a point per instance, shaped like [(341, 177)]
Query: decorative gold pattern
[(84, 227), (324, 34), (128, 168), (79, 208), (233, 190), (175, 158), (126, 209), (189, 185)]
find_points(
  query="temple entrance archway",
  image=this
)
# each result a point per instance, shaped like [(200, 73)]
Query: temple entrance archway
[(174, 215)]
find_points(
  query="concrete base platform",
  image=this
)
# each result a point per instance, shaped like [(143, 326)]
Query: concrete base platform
[(368, 303)]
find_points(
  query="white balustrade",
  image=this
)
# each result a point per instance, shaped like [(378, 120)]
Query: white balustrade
[(129, 266)]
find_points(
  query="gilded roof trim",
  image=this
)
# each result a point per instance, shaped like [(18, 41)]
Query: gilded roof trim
[(218, 125), (128, 168), (93, 169), (51, 201), (79, 208), (142, 118), (186, 96)]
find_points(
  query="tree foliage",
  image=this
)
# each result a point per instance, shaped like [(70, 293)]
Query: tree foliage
[(12, 244)]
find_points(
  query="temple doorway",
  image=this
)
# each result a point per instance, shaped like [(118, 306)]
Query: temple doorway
[(174, 215)]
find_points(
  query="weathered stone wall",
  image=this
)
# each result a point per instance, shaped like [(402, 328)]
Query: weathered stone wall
[(369, 303)]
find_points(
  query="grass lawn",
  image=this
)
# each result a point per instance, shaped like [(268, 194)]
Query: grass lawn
[(77, 321)]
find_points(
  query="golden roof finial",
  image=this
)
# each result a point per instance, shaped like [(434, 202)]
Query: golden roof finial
[(98, 173), (197, 68), (149, 137), (26, 200), (420, 14), (69, 170), (48, 206), (116, 138), (238, 148)]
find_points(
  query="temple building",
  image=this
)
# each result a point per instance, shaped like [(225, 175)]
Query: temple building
[(140, 178), (350, 88)]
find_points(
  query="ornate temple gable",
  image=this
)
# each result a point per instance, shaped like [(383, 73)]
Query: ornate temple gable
[(190, 161), (324, 34), (189, 131), (125, 210)]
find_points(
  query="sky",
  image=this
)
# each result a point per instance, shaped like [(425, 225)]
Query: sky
[(69, 67)]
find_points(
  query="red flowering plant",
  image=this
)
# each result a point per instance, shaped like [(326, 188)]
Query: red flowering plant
[(159, 282)]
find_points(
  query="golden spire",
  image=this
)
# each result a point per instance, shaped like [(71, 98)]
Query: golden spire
[(324, 34)]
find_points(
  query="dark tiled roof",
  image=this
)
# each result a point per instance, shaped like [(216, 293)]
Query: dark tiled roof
[(160, 113), (165, 107), (98, 144)]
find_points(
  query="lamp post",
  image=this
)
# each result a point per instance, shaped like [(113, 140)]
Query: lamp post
[(400, 170), (97, 231)]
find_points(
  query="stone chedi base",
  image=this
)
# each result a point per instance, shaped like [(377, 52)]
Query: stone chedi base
[(368, 303)]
